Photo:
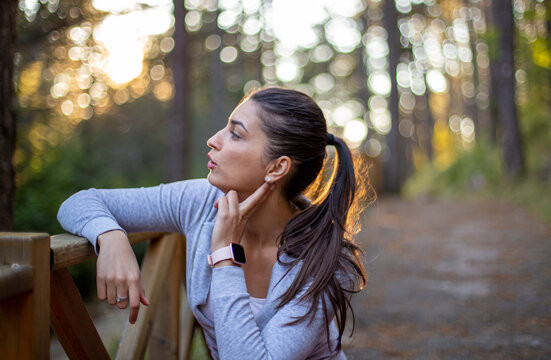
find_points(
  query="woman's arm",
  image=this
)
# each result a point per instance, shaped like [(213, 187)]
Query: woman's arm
[(239, 336), (167, 207), (104, 216)]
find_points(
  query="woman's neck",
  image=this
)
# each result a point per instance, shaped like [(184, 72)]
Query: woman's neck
[(268, 221)]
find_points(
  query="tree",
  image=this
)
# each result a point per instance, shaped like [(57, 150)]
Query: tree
[(472, 105), (218, 86), (180, 124), (502, 12), (392, 177), (8, 12)]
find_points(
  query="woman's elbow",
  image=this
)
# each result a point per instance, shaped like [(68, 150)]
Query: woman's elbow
[(67, 212)]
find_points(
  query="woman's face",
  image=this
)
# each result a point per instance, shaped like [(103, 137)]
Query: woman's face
[(237, 160)]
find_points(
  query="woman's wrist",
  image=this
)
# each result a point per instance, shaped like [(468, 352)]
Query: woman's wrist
[(111, 237), (224, 263), (218, 246)]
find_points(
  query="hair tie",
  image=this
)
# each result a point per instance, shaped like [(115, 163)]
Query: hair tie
[(330, 139)]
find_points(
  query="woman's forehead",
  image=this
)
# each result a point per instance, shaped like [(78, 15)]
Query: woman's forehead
[(246, 113)]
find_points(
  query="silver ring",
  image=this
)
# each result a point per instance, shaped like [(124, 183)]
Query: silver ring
[(121, 298)]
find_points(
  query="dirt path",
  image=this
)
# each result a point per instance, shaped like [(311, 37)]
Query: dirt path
[(454, 279)]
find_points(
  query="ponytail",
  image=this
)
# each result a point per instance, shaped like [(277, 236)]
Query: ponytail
[(318, 237)]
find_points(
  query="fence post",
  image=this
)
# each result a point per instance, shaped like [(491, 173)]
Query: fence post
[(70, 320), (25, 324), (163, 342)]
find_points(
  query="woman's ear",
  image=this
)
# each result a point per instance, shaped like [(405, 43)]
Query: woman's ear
[(278, 168)]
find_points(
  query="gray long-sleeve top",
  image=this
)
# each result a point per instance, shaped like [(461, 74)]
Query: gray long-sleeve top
[(187, 207)]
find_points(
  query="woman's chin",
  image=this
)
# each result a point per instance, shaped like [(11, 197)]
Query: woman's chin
[(212, 179), (240, 186)]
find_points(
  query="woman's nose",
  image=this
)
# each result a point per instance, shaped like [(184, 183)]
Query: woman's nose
[(214, 142)]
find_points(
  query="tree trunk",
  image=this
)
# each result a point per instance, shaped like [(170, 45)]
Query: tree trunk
[(472, 103), (218, 87), (493, 52), (180, 124), (507, 109), (426, 120), (392, 179), (8, 15), (360, 75)]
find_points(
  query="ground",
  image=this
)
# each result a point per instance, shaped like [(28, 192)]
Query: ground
[(454, 279), (448, 279)]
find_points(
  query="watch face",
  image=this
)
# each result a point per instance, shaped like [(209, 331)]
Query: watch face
[(238, 253)]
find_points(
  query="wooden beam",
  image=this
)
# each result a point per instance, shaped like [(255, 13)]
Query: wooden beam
[(15, 280), (70, 320), (69, 249), (24, 325), (163, 343), (188, 324), (187, 329), (155, 267)]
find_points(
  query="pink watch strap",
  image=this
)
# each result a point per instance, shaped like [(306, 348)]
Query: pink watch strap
[(220, 255)]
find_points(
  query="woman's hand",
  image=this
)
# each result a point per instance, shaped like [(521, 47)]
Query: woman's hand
[(118, 274), (232, 215)]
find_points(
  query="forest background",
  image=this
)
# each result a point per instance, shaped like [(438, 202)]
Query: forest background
[(444, 98)]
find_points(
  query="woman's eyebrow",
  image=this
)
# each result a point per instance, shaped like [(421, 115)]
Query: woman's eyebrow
[(237, 122)]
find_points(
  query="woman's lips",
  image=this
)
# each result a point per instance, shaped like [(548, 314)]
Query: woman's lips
[(211, 165)]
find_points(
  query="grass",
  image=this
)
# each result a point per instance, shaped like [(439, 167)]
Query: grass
[(479, 173)]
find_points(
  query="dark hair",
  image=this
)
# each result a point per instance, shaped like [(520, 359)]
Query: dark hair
[(319, 235)]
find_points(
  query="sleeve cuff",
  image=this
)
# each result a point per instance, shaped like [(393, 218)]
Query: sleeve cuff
[(98, 226), (228, 281)]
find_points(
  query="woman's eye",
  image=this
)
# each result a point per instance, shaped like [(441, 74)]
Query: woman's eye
[(234, 135)]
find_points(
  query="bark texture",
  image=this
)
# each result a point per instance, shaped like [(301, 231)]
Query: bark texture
[(8, 12), (180, 124), (394, 164), (505, 90)]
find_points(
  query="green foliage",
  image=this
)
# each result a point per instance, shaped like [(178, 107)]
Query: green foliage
[(478, 173), (84, 276), (198, 347), (39, 196), (473, 171), (122, 149)]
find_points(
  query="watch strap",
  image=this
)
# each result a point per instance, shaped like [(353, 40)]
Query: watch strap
[(221, 254)]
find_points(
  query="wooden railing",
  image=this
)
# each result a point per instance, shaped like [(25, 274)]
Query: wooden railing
[(37, 292)]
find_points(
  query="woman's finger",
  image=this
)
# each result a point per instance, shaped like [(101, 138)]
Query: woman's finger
[(102, 289), (222, 206), (111, 292), (134, 298), (122, 296), (255, 199), (233, 204)]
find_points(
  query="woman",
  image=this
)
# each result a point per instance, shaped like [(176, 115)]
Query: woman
[(267, 270)]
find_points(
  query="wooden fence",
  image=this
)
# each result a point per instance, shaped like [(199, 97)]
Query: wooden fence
[(37, 292)]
